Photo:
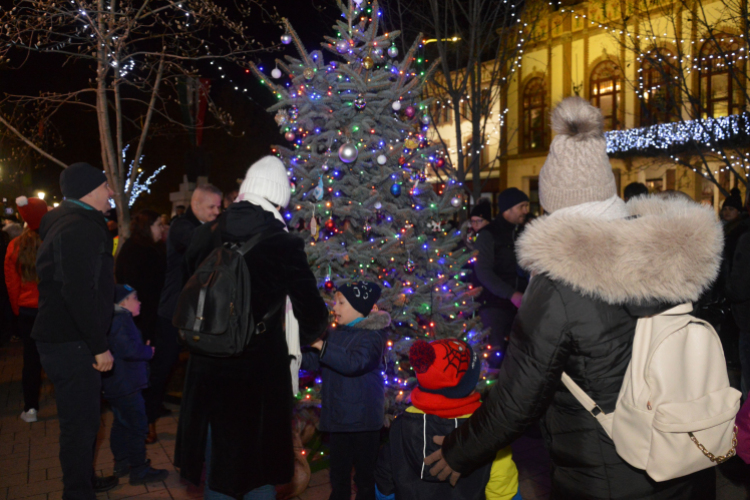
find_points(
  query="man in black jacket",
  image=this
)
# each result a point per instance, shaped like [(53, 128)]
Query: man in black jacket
[(76, 290), (497, 270), (205, 205)]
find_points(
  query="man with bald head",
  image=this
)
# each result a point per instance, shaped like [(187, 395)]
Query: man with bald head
[(205, 206)]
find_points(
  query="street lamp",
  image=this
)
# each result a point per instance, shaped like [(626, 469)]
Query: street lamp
[(40, 195)]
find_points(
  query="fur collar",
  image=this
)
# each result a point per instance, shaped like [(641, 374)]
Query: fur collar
[(377, 320), (669, 251)]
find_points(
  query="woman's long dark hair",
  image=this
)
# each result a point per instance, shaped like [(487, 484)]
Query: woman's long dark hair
[(28, 244), (140, 227)]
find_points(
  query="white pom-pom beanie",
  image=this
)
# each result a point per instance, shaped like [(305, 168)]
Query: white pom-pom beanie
[(267, 178), (577, 169)]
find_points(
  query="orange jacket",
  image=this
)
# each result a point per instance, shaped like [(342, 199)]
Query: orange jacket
[(21, 294)]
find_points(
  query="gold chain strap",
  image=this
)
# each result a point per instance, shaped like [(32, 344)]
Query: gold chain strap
[(720, 459)]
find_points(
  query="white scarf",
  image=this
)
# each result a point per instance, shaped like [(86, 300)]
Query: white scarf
[(292, 325), (610, 209)]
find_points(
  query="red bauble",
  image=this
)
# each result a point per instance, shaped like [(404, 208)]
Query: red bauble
[(440, 163), (328, 286), (401, 160), (330, 225)]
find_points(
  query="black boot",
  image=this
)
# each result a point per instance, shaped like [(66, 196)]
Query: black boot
[(147, 474), (104, 483)]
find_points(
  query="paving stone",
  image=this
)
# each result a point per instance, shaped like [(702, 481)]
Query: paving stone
[(32, 489)]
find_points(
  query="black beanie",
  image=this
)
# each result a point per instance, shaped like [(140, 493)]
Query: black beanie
[(79, 179), (362, 295), (509, 199), (482, 209), (734, 200)]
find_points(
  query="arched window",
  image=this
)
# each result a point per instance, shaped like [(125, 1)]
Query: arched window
[(534, 99), (658, 89), (720, 95), (605, 92)]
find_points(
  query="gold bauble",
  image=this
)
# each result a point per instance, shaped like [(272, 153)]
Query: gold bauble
[(368, 63), (308, 73), (411, 143)]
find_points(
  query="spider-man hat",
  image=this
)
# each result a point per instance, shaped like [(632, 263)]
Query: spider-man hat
[(447, 374)]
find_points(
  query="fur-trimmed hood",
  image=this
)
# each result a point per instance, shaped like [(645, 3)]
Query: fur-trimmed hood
[(669, 250), (376, 320)]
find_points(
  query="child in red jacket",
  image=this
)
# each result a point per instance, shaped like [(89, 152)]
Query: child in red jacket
[(21, 280)]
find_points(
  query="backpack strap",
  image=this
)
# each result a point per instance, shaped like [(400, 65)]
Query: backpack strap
[(589, 404), (249, 244)]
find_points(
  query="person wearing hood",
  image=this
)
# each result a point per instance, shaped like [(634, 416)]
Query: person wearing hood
[(598, 266), (205, 205), (76, 286), (236, 413), (496, 267)]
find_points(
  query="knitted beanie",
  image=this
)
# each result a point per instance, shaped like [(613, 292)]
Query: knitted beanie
[(448, 367), (267, 178), (122, 292), (362, 295), (734, 200), (32, 210), (79, 179), (510, 198), (577, 169), (482, 209)]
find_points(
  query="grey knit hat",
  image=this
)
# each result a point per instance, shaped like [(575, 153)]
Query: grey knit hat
[(577, 169)]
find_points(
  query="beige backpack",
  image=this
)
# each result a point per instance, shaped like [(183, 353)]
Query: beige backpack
[(675, 412)]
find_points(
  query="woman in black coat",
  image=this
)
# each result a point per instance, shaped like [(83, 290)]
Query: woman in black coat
[(247, 400), (598, 266), (142, 264)]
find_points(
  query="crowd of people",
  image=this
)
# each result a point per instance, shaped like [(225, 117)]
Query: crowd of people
[(562, 294)]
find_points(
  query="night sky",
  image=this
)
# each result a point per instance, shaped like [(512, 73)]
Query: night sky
[(228, 155)]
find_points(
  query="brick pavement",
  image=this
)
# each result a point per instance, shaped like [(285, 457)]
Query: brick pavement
[(29, 467)]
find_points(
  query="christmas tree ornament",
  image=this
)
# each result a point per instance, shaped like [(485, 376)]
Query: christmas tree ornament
[(318, 191), (324, 167), (396, 190), (328, 285), (396, 105), (382, 160), (348, 152), (276, 73), (286, 38), (359, 3), (440, 163), (411, 143), (377, 52), (426, 119), (281, 117), (401, 160), (410, 111), (367, 229), (314, 229), (393, 51), (456, 201), (368, 63), (290, 136), (434, 225), (308, 73), (294, 113), (378, 205), (359, 102), (330, 225), (409, 266), (341, 47)]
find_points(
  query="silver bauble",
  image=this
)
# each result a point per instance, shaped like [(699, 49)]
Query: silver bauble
[(393, 51), (286, 38), (456, 201), (276, 73), (348, 152), (378, 205), (426, 119), (342, 46), (289, 136), (377, 52), (396, 105), (382, 159)]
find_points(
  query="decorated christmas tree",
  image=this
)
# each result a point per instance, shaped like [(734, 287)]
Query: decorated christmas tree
[(373, 199)]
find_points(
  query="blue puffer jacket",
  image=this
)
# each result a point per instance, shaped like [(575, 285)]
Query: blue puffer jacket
[(353, 394), (130, 371)]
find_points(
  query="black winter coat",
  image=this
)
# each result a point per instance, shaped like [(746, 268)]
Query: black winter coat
[(496, 268), (248, 400), (143, 266), (353, 394), (76, 277), (178, 241), (579, 316), (738, 280), (130, 371)]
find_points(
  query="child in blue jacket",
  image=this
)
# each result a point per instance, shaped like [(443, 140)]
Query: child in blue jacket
[(122, 387), (353, 398)]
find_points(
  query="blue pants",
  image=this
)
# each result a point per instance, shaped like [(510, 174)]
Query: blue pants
[(129, 429), (267, 492), (78, 387)]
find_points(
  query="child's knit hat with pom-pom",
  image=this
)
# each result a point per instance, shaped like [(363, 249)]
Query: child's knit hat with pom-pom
[(447, 367)]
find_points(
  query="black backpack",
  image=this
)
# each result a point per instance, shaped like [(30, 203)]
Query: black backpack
[(213, 312)]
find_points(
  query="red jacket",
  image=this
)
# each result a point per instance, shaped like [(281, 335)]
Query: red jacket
[(21, 294)]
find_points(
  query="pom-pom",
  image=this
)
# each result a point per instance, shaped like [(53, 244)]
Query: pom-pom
[(575, 117), (22, 201), (421, 356)]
